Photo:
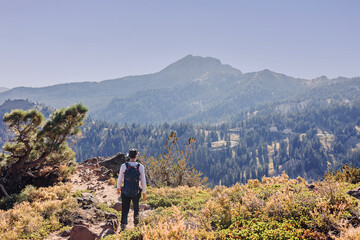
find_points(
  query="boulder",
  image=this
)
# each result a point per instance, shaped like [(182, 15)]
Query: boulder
[(113, 163), (103, 173), (80, 232)]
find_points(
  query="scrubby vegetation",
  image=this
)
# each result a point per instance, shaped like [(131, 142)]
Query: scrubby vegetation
[(275, 208), (37, 212), (172, 168)]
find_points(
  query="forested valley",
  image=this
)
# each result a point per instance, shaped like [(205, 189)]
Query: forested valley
[(259, 142), (262, 141)]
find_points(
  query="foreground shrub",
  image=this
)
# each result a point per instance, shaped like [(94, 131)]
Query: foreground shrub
[(257, 229), (276, 208), (38, 215), (187, 198)]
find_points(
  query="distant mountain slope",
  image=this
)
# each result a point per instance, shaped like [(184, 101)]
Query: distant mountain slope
[(96, 94), (10, 105), (2, 89), (261, 142), (207, 99), (194, 89)]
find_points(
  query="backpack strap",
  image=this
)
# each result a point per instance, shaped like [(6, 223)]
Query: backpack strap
[(138, 166), (127, 165)]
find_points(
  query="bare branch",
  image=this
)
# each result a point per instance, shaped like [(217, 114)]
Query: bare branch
[(4, 191), (41, 159)]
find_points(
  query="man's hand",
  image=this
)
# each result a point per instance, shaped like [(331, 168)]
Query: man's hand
[(144, 197), (118, 191)]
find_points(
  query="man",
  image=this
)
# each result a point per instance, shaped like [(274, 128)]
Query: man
[(131, 172)]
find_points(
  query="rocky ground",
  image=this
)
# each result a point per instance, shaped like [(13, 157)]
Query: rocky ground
[(92, 182)]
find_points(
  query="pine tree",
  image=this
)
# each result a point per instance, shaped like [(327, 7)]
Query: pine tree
[(38, 149)]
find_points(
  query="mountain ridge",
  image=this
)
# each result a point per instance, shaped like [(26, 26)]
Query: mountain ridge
[(187, 89)]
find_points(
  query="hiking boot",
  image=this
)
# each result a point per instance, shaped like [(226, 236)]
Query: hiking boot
[(136, 221), (123, 227)]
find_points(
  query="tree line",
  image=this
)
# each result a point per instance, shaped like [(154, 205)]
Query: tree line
[(307, 142)]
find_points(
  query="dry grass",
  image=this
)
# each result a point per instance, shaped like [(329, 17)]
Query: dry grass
[(39, 215), (274, 208), (350, 233)]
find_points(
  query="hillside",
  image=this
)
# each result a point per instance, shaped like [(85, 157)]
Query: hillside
[(97, 94), (10, 105), (193, 89), (2, 89), (303, 138), (86, 207), (304, 141)]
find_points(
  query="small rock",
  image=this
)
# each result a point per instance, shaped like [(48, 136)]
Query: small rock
[(79, 232), (106, 215), (144, 207), (104, 196), (86, 200), (117, 206)]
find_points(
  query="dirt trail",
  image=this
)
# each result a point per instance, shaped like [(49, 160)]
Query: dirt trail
[(85, 179), (104, 192)]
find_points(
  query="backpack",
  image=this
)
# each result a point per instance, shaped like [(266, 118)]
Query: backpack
[(131, 180)]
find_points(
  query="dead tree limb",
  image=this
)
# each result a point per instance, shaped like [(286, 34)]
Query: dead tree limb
[(4, 191)]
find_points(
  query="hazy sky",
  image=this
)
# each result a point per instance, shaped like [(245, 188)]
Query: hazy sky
[(45, 42)]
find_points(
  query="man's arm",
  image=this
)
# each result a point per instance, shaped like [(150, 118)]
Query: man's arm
[(120, 178), (143, 181)]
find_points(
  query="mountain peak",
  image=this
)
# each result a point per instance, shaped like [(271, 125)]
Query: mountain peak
[(321, 78), (194, 65)]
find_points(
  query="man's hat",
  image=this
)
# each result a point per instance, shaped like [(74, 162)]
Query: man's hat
[(132, 152)]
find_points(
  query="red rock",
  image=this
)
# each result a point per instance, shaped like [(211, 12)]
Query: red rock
[(79, 232), (117, 206)]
